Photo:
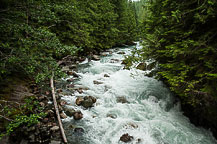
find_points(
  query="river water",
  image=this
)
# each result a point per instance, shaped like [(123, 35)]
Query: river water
[(150, 113)]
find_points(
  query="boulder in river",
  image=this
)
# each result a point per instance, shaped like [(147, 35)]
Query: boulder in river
[(131, 125), (77, 115), (121, 100), (150, 66), (126, 138), (104, 53), (121, 52), (72, 73), (97, 82), (79, 101), (142, 66), (114, 60), (88, 101), (69, 112), (95, 57), (106, 75), (113, 116)]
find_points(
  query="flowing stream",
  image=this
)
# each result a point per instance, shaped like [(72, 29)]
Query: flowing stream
[(149, 112)]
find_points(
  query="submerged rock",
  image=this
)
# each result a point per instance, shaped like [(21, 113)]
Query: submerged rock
[(138, 140), (126, 138), (97, 82), (131, 125), (113, 116), (121, 100), (79, 131)]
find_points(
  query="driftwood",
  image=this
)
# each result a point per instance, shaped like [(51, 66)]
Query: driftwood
[(57, 110)]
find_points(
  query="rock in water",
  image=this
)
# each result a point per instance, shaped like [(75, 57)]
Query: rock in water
[(151, 66), (87, 103), (122, 100), (69, 112), (78, 131), (104, 54), (78, 115), (97, 82), (70, 80), (126, 138), (96, 57), (79, 101), (90, 97), (141, 66), (121, 53), (62, 115), (114, 60), (106, 75)]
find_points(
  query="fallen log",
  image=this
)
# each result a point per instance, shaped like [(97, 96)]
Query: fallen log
[(57, 110)]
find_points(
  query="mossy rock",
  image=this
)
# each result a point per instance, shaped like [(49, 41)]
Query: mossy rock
[(142, 66)]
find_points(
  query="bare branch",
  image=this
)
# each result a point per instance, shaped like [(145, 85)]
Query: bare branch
[(6, 118)]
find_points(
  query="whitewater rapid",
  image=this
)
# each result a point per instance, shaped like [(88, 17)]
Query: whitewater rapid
[(150, 113)]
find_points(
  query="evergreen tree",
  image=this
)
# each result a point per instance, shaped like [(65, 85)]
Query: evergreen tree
[(181, 36)]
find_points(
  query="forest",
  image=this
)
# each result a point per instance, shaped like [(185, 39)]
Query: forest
[(35, 34), (180, 35)]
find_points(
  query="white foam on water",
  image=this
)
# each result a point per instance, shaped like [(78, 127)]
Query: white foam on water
[(149, 115)]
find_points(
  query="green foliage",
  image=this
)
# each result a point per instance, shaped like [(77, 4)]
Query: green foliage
[(181, 36), (35, 34), (27, 114)]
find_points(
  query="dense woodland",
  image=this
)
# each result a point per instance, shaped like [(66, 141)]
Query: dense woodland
[(35, 34), (180, 35)]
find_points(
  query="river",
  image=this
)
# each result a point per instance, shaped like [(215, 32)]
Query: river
[(149, 113)]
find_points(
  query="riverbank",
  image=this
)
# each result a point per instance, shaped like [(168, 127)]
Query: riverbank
[(17, 89)]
